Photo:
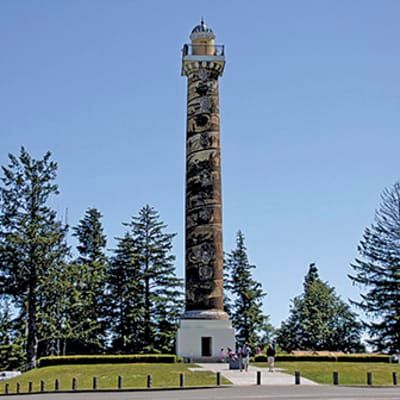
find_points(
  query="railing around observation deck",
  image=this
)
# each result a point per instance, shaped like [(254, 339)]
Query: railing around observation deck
[(216, 50)]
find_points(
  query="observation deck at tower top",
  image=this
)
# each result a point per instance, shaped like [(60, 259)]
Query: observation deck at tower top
[(203, 48), (203, 52)]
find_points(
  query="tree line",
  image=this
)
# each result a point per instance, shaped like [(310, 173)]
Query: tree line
[(53, 303), (320, 320), (130, 301)]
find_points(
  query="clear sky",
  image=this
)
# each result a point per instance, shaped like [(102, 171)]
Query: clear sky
[(310, 111)]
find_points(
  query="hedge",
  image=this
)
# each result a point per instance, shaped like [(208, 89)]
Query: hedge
[(107, 359), (333, 358)]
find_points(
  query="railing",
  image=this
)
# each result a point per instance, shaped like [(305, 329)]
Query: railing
[(203, 50)]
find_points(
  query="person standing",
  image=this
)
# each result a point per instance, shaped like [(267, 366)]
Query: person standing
[(240, 354), (271, 357), (245, 357), (222, 355)]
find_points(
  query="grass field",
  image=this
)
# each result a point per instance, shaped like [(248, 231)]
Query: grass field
[(349, 373), (134, 376)]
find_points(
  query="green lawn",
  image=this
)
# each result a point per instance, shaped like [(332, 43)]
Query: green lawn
[(134, 376), (349, 373)]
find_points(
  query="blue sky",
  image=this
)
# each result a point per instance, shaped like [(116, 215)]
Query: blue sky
[(309, 106)]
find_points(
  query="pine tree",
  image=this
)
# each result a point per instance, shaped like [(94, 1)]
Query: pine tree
[(145, 295), (162, 295), (250, 323), (32, 240), (92, 268), (319, 320), (125, 298), (377, 273)]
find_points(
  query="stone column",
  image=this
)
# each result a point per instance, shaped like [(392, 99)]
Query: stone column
[(204, 328), (204, 250)]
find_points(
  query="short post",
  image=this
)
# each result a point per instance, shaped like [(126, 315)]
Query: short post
[(258, 377), (149, 381), (42, 386), (394, 375), (57, 385), (94, 383), (119, 382), (335, 378), (18, 388), (6, 389), (181, 380), (297, 377), (29, 387), (218, 375), (369, 378), (73, 384)]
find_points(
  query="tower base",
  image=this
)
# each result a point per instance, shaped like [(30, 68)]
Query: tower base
[(203, 339)]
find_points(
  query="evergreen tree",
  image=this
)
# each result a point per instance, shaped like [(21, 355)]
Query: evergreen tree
[(377, 273), (162, 296), (125, 298), (319, 320), (61, 323), (92, 269), (145, 294), (32, 240), (250, 323)]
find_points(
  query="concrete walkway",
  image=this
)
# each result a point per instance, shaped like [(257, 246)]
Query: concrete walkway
[(250, 377)]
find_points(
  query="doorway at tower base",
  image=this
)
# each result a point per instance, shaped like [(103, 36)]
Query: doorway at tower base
[(203, 339)]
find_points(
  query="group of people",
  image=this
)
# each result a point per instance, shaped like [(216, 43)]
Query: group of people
[(242, 356)]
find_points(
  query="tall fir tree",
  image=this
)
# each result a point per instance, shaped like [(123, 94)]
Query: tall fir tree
[(246, 295), (144, 291), (32, 240), (319, 320), (377, 273), (91, 282), (125, 295), (162, 297)]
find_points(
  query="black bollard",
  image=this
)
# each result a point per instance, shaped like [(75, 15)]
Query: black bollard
[(94, 383), (149, 381), (119, 382), (394, 375), (181, 380), (17, 388), (335, 378), (6, 389), (218, 375), (73, 384), (297, 377), (29, 387), (42, 386), (369, 378), (258, 377), (57, 385)]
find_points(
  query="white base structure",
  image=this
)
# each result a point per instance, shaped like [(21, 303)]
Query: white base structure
[(202, 339)]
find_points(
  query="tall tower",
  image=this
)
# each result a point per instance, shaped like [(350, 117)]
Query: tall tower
[(205, 327)]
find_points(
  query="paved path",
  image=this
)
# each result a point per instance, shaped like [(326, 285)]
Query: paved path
[(250, 378), (307, 392)]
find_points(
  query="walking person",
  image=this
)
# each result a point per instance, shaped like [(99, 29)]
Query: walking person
[(271, 357)]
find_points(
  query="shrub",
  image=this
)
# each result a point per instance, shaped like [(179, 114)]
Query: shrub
[(325, 357), (107, 359)]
